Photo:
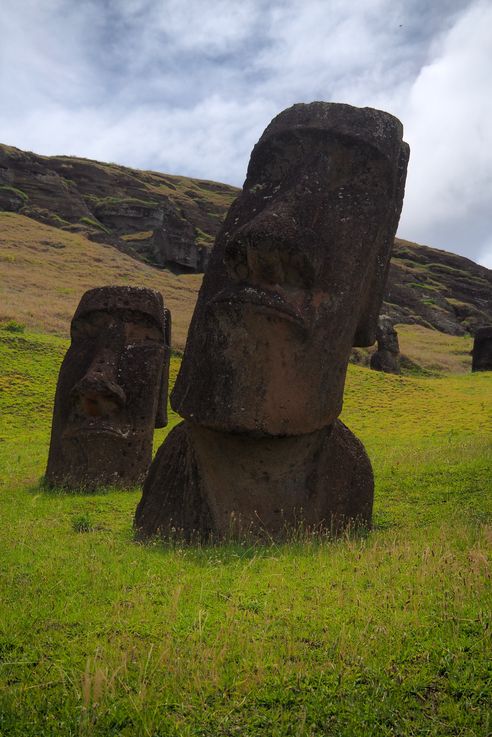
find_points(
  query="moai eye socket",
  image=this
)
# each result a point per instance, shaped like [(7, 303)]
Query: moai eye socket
[(298, 271), (91, 325), (236, 260), (83, 329), (142, 332)]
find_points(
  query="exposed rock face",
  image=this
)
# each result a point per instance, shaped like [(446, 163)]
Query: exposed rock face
[(482, 350), (437, 289), (168, 221), (11, 199), (112, 389), (387, 356), (296, 278)]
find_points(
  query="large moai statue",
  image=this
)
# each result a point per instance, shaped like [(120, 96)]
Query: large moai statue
[(295, 279), (112, 389), (482, 349), (387, 356)]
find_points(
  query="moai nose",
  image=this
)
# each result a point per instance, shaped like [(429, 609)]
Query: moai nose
[(97, 394)]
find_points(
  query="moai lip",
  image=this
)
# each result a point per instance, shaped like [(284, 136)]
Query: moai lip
[(112, 389), (295, 279), (482, 349)]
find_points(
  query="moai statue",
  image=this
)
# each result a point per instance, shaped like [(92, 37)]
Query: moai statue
[(387, 356), (112, 389), (482, 349), (295, 279)]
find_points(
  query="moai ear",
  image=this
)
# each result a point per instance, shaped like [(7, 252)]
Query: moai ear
[(365, 334), (161, 414)]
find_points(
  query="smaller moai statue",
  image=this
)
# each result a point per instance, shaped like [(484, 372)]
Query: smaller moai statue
[(387, 356), (482, 349), (112, 389)]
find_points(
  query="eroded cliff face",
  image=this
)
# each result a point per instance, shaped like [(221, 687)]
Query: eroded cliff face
[(167, 221), (171, 222), (437, 289)]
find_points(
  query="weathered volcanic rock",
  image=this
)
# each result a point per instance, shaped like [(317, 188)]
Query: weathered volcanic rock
[(268, 343), (387, 356), (11, 199), (112, 389), (295, 279), (168, 221), (482, 350), (205, 484), (437, 289)]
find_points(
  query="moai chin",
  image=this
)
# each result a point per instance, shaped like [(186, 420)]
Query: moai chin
[(295, 279), (482, 349), (112, 389), (387, 356)]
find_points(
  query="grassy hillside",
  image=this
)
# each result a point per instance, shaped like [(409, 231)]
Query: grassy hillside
[(171, 221), (44, 271), (386, 635)]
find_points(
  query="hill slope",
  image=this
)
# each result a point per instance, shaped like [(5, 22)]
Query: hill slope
[(165, 220), (44, 271), (437, 289), (378, 636), (170, 221)]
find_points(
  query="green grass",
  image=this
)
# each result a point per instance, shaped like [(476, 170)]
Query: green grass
[(387, 634), (130, 201)]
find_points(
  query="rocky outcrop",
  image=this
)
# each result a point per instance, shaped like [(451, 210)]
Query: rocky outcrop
[(437, 289), (171, 222), (168, 221)]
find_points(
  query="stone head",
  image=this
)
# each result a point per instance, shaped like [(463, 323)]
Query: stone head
[(112, 389), (297, 273), (482, 349), (386, 335)]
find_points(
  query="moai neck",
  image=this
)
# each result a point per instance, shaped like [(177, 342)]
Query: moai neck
[(253, 484), (279, 484)]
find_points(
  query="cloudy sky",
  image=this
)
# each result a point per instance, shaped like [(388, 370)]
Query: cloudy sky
[(187, 87)]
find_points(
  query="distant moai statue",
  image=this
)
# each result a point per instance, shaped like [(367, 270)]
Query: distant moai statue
[(387, 356), (482, 349), (112, 389), (295, 279)]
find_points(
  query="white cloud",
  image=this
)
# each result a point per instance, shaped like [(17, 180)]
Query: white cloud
[(188, 87), (447, 121), (485, 255)]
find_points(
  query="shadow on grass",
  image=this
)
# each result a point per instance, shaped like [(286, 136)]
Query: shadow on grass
[(297, 542), (42, 487)]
